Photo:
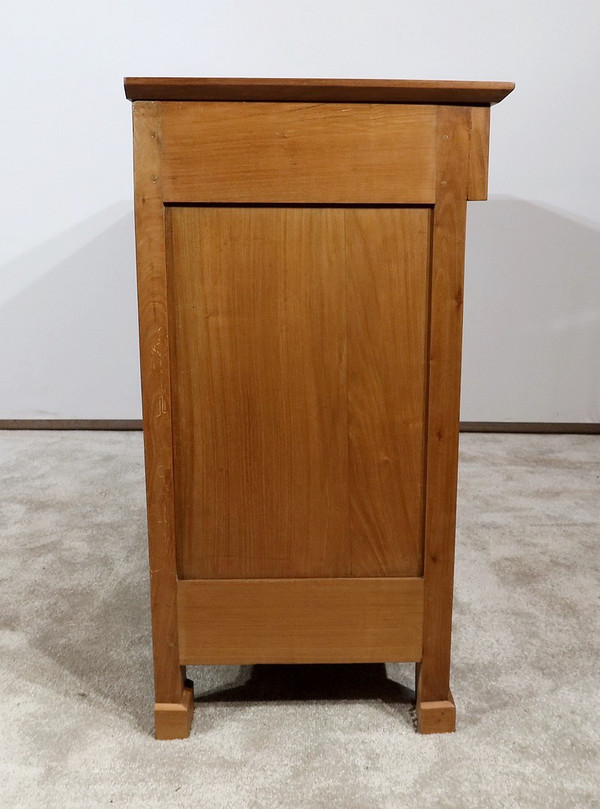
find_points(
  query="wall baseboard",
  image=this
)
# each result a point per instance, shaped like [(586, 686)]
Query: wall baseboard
[(575, 428), (554, 427), (70, 424)]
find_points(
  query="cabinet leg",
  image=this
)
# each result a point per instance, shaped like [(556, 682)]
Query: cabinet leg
[(434, 715), (172, 720)]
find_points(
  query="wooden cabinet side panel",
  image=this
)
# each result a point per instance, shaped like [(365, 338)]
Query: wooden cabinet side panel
[(299, 357)]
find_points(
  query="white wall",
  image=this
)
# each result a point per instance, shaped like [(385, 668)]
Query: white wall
[(68, 346)]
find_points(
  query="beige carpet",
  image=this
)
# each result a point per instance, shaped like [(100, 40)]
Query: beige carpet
[(75, 667)]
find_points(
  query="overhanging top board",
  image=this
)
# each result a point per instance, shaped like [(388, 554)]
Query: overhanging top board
[(379, 91)]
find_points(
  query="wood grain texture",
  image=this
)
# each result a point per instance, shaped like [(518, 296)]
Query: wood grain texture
[(260, 432), (301, 370), (300, 620), (299, 437), (156, 400), (174, 720), (387, 265), (298, 153), (479, 153), (375, 91), (449, 221), (436, 717)]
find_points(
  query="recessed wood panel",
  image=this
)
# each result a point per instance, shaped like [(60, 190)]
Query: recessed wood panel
[(298, 339), (298, 153), (300, 620)]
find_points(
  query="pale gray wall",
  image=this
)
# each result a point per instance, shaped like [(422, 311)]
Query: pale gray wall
[(68, 345)]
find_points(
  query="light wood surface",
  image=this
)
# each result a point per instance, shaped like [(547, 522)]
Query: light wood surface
[(436, 717), (478, 153), (375, 91), (156, 400), (260, 433), (299, 438), (300, 620), (298, 153), (300, 269), (449, 220), (174, 720), (387, 264)]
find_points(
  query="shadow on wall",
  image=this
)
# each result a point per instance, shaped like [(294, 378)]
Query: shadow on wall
[(69, 344), (68, 324), (532, 315)]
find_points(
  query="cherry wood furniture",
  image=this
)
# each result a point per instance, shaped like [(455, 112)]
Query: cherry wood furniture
[(300, 250)]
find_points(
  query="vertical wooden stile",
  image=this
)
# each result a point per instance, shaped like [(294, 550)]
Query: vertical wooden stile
[(435, 707), (173, 693)]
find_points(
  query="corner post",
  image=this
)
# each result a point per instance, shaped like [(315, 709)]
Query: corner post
[(174, 702), (435, 706)]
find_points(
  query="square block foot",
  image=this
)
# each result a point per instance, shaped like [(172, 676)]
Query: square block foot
[(172, 720), (436, 717)]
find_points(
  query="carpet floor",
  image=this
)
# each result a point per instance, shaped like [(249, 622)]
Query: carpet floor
[(75, 653)]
